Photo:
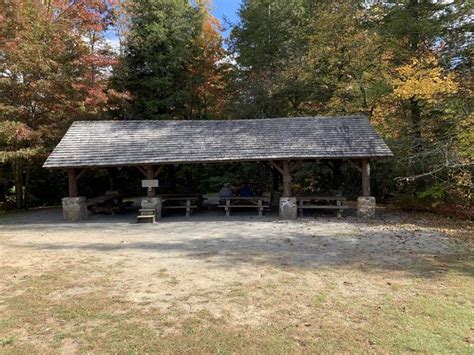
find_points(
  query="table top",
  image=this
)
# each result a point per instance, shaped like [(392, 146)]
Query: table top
[(250, 198), (184, 198), (322, 198), (179, 195)]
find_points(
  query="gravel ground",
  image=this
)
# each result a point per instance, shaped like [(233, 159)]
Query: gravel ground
[(245, 269)]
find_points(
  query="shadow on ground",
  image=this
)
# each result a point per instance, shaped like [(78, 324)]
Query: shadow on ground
[(390, 242)]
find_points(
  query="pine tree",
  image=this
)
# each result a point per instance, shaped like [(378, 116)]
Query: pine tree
[(159, 49), (269, 36)]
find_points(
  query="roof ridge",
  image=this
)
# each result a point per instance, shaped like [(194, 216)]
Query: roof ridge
[(232, 120)]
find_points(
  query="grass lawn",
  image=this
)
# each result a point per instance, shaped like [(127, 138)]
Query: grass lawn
[(397, 284)]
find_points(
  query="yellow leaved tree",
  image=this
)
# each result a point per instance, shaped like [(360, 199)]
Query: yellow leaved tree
[(423, 79)]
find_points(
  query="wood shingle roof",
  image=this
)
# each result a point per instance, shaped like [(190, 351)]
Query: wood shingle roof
[(131, 143)]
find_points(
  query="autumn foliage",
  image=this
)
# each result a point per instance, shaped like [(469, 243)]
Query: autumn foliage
[(54, 69), (407, 65), (208, 68)]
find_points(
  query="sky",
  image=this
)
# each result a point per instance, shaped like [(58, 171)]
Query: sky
[(224, 10)]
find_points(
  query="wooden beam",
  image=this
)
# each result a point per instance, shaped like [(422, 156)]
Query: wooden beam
[(150, 172), (355, 165), (73, 189), (276, 166), (286, 179), (158, 170), (365, 178), (80, 173), (141, 170)]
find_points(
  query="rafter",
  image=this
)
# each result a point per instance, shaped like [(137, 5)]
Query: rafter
[(143, 171), (79, 175), (296, 165), (158, 170), (355, 165), (276, 166)]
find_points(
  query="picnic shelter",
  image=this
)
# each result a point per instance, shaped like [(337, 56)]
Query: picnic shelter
[(283, 143)]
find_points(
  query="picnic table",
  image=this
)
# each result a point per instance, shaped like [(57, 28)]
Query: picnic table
[(314, 202), (258, 202), (189, 202), (109, 203)]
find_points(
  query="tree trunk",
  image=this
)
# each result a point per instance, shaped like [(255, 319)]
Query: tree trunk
[(416, 125), (414, 37), (18, 184), (27, 187)]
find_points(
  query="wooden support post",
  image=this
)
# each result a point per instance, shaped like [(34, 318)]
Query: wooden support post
[(286, 179), (227, 208), (150, 175), (73, 190), (188, 208), (365, 178)]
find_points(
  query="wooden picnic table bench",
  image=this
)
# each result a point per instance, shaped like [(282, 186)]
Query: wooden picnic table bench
[(314, 202), (111, 203), (187, 202), (146, 215), (258, 202)]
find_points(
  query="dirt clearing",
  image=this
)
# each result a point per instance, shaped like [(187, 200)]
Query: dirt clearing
[(209, 284)]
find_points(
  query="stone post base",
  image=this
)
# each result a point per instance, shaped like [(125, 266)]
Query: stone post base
[(152, 202), (366, 207), (288, 208), (74, 209)]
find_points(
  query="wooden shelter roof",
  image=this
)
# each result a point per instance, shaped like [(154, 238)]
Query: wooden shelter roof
[(135, 143)]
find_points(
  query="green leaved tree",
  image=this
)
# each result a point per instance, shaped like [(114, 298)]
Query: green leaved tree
[(158, 51), (269, 37)]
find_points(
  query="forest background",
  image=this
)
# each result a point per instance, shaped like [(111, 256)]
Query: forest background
[(407, 65)]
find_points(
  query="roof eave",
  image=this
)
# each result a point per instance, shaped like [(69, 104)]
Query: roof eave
[(217, 161)]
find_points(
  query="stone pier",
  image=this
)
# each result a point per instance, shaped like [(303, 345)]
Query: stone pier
[(366, 206), (74, 208), (288, 208), (152, 202)]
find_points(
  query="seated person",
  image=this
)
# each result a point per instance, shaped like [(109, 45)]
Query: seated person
[(245, 191), (226, 191)]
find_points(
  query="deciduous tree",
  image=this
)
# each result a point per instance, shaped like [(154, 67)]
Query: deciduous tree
[(53, 70)]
